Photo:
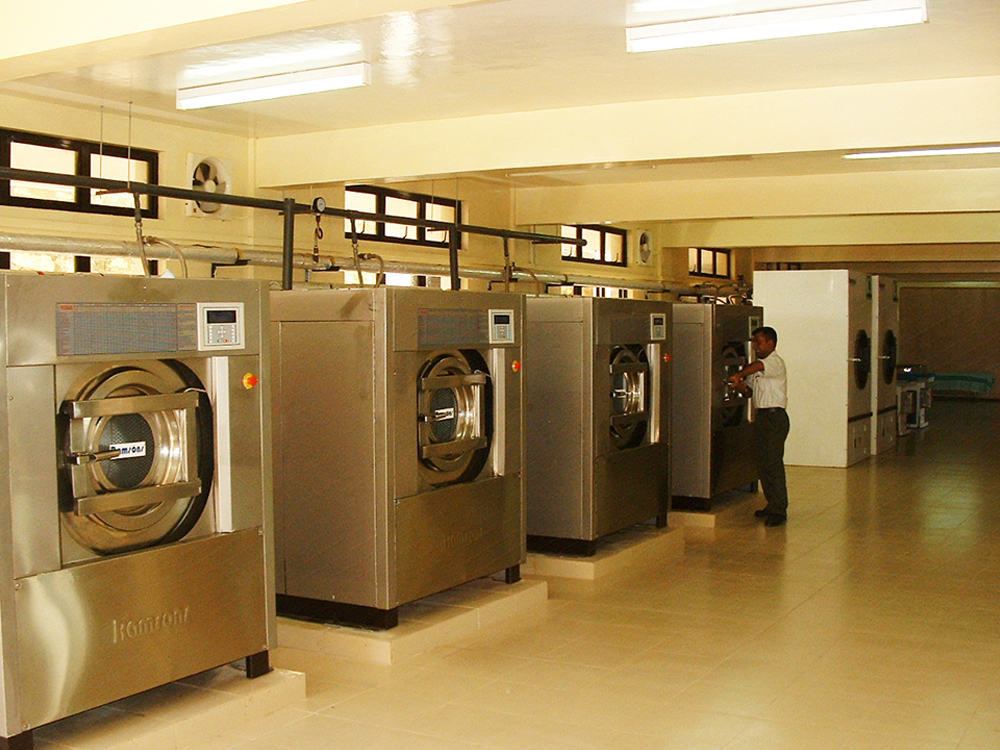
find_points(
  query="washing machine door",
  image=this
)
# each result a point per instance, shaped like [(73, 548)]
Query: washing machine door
[(888, 357), (137, 457), (734, 403), (453, 411), (862, 359), (629, 396)]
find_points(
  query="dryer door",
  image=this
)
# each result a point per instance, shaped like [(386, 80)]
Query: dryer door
[(453, 409), (888, 357), (132, 474), (862, 359), (629, 396)]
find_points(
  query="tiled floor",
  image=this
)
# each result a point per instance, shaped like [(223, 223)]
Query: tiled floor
[(871, 621)]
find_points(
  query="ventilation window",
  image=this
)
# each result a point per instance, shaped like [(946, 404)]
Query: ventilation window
[(605, 245), (46, 153), (379, 200), (708, 261)]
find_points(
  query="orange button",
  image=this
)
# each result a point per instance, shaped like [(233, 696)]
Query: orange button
[(666, 357), (515, 366), (250, 380)]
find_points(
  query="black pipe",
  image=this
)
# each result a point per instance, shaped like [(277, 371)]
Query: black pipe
[(453, 238), (288, 243)]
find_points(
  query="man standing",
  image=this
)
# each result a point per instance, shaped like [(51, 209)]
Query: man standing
[(764, 379)]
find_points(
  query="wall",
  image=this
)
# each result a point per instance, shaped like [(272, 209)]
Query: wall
[(951, 329)]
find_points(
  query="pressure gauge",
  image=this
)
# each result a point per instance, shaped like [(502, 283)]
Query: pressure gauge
[(319, 205)]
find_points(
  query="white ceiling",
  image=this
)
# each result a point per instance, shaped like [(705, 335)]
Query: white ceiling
[(521, 55)]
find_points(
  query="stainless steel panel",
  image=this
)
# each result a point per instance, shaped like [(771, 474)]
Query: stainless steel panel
[(456, 534), (32, 465), (85, 638), (249, 452), (325, 499), (630, 486)]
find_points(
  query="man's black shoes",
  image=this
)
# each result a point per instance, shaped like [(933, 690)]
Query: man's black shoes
[(773, 519), (762, 513)]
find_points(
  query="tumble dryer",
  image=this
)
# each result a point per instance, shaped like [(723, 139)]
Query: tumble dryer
[(135, 507), (397, 417), (597, 434), (823, 319), (885, 348), (712, 447)]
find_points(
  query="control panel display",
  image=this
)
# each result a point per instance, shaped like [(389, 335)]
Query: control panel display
[(220, 326), (501, 326), (658, 327)]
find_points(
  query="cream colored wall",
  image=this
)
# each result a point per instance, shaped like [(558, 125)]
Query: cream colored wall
[(173, 143)]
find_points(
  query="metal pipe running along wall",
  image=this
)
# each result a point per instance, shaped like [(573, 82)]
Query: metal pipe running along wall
[(287, 258)]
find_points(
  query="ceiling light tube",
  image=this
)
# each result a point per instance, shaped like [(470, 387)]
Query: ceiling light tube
[(275, 86), (777, 24), (943, 151)]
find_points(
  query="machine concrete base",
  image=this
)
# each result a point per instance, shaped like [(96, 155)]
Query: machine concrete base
[(433, 621), (614, 551), (182, 714)]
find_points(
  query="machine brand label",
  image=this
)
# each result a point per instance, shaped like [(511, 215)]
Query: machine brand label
[(128, 450), (128, 630), (444, 415), (464, 538)]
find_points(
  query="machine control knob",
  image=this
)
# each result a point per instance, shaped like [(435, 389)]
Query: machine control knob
[(250, 381), (515, 366)]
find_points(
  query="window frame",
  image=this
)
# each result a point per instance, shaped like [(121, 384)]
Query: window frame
[(84, 151), (604, 231), (716, 252), (422, 200)]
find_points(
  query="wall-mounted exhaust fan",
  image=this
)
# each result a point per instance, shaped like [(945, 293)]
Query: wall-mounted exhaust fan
[(212, 176)]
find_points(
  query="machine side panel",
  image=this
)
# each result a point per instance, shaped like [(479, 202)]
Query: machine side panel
[(324, 486), (692, 413), (456, 534), (809, 311), (250, 463), (557, 427), (88, 645)]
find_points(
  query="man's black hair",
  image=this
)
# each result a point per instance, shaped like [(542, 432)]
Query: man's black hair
[(767, 332)]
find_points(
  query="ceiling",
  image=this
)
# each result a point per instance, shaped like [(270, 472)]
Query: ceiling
[(476, 58)]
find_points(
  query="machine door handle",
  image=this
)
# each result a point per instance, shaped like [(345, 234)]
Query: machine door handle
[(85, 458), (107, 407), (111, 501), (455, 446), (854, 359), (453, 381), (629, 367)]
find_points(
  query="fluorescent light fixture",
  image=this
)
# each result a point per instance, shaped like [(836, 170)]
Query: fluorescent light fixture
[(943, 151), (275, 86), (776, 24)]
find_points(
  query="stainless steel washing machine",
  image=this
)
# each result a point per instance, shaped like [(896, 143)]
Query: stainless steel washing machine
[(712, 446), (885, 350), (397, 417), (597, 388), (135, 507)]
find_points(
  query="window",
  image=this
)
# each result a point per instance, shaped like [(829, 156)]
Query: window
[(605, 245), (707, 261), (46, 153), (379, 200)]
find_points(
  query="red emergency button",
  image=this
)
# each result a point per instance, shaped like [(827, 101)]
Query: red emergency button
[(666, 357), (515, 366), (250, 380)]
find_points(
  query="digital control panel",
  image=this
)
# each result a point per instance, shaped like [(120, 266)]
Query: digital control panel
[(501, 326), (220, 326), (658, 326)]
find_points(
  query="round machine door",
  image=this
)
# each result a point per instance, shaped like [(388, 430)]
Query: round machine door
[(734, 403), (888, 357), (454, 418), (862, 359), (629, 396), (137, 456)]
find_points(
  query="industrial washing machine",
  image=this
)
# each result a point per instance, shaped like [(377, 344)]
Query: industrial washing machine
[(823, 319), (597, 427), (712, 446), (397, 417), (135, 507), (885, 350)]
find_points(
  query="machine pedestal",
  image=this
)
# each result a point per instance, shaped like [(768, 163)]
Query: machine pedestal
[(512, 574), (22, 741), (353, 615)]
